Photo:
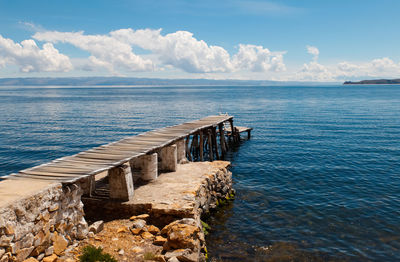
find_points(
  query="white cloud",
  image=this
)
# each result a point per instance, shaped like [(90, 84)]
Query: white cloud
[(314, 71), (381, 67), (179, 49), (30, 58), (313, 51), (106, 51), (258, 59)]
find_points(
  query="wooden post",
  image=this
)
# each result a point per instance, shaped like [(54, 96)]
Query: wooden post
[(248, 134), (201, 145), (121, 183), (215, 144), (210, 146), (188, 153), (232, 130), (222, 139)]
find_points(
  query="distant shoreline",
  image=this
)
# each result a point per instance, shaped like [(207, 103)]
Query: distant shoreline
[(374, 82), (145, 82)]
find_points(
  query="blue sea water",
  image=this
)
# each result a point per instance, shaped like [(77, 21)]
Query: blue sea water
[(319, 180)]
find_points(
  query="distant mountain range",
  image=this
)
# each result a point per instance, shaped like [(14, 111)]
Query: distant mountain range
[(375, 82), (130, 81)]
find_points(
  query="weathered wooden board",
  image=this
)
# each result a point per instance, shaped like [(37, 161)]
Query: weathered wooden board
[(104, 157)]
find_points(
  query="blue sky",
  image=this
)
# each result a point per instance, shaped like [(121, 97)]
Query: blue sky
[(320, 40)]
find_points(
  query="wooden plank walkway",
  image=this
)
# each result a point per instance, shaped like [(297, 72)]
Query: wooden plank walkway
[(105, 157)]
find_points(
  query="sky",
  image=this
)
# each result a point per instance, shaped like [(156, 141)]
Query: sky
[(286, 40)]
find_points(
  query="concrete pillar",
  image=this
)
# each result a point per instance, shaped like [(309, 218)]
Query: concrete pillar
[(147, 166), (121, 183), (181, 150), (168, 158)]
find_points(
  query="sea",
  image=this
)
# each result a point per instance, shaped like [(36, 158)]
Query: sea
[(319, 180)]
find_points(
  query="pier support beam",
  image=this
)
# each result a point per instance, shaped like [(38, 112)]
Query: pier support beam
[(201, 145), (210, 146), (181, 150), (222, 139), (121, 183), (188, 153), (148, 166), (168, 158)]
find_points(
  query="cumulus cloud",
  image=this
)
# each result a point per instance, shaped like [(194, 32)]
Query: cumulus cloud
[(178, 50), (258, 59), (31, 58), (313, 51), (376, 68), (106, 51), (381, 67)]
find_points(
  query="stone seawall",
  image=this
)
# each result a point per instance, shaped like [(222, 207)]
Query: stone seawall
[(43, 223), (173, 204), (48, 221)]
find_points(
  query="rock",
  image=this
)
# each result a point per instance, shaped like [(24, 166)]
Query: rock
[(191, 257), (2, 252), (153, 229), (159, 241), (51, 258), (147, 236), (122, 230), (40, 257), (182, 233), (23, 253), (176, 253), (121, 252), (5, 241), (142, 216), (49, 251), (6, 257), (139, 223), (38, 250), (136, 231), (59, 243), (137, 250), (9, 230), (96, 227), (173, 259), (91, 235), (31, 259), (54, 207)]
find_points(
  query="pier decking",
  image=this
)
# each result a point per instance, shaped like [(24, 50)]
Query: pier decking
[(150, 152)]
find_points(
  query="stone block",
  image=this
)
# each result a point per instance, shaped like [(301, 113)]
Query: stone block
[(168, 158), (147, 166), (96, 227), (121, 182), (181, 150)]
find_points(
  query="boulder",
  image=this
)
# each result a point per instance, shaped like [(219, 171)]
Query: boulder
[(59, 243), (51, 258), (159, 241), (181, 234), (139, 223)]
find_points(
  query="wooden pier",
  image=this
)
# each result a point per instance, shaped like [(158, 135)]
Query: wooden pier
[(147, 153)]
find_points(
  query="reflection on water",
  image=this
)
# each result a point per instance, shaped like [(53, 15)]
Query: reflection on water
[(318, 181)]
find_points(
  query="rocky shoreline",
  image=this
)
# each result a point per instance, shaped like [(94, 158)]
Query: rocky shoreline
[(162, 223)]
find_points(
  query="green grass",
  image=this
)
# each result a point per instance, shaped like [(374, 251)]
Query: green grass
[(93, 254)]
